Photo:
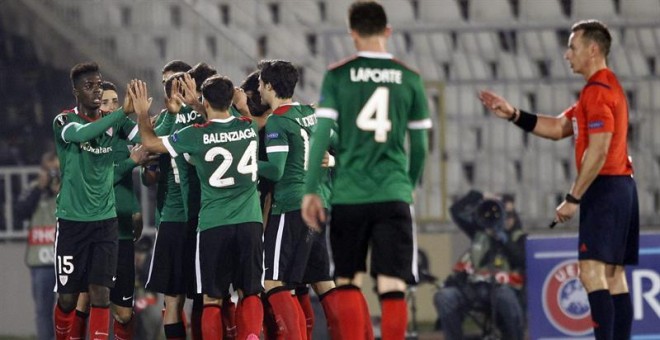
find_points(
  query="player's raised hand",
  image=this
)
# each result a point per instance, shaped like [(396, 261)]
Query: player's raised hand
[(188, 93), (140, 97), (139, 155), (128, 100), (312, 211), (240, 101), (496, 104), (174, 102)]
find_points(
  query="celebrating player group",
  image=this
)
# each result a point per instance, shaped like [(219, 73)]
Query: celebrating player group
[(249, 182)]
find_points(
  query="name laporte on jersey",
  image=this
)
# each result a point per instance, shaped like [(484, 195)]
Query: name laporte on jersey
[(376, 75), (231, 136)]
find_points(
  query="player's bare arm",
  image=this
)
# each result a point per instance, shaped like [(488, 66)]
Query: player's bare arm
[(592, 162), (141, 102), (549, 127)]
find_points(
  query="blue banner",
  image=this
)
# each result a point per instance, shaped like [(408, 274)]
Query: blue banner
[(557, 304)]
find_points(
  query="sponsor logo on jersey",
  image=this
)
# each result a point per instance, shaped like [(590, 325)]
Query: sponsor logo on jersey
[(95, 150), (565, 300), (376, 75), (231, 136), (596, 124)]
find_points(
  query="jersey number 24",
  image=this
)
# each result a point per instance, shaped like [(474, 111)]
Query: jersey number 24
[(246, 165)]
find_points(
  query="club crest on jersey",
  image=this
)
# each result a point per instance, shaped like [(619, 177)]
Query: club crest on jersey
[(109, 132), (565, 301), (63, 279)]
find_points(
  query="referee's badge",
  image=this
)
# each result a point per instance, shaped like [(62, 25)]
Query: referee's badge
[(64, 279)]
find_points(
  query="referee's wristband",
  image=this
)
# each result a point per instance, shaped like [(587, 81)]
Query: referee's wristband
[(526, 121), (572, 199)]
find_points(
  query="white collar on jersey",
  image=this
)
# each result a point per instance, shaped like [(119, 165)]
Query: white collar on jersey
[(289, 104), (226, 120), (376, 55)]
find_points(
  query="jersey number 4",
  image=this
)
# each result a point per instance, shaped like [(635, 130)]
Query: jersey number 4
[(246, 165), (373, 116)]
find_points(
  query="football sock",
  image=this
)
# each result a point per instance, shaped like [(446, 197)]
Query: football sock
[(211, 322), (623, 316), (302, 325), (99, 322), (175, 331), (79, 326), (249, 317), (63, 321), (285, 313), (602, 314), (302, 293), (229, 316), (342, 310), (395, 315), (270, 326), (123, 331)]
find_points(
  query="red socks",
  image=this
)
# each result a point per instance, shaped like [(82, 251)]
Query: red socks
[(79, 326), (99, 323), (302, 325), (123, 331), (394, 315), (249, 317), (211, 323), (345, 314), (270, 326), (63, 322), (285, 313), (229, 315), (302, 294)]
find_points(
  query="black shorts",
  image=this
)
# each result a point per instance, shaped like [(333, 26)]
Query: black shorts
[(287, 246), (85, 253), (609, 221), (386, 226), (230, 254), (318, 263), (122, 293), (167, 270)]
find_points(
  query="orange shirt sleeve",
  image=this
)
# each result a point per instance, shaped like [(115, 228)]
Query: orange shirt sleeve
[(598, 106)]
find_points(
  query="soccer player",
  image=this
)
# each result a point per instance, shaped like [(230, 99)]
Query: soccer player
[(87, 236), (229, 247), (604, 189), (168, 270), (374, 100), (289, 243)]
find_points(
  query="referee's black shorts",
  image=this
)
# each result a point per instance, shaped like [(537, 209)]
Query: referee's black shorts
[(609, 221)]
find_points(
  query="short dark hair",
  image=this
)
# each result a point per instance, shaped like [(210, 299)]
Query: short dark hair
[(281, 75), (176, 66), (81, 69), (251, 84), (200, 73), (169, 80), (218, 90), (596, 31), (367, 18), (107, 85)]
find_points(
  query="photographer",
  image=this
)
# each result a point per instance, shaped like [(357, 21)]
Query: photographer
[(37, 205), (488, 276)]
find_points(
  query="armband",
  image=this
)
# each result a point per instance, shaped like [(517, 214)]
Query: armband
[(526, 121)]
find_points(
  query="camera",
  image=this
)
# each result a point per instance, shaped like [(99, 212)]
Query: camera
[(490, 214)]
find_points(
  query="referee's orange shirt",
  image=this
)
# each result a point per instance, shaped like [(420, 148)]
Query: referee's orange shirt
[(602, 107)]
